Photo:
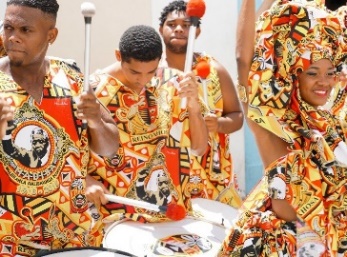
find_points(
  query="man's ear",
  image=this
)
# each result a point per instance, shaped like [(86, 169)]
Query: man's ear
[(118, 55), (52, 35), (161, 30)]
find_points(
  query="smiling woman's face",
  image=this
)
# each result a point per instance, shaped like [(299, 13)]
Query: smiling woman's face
[(316, 83)]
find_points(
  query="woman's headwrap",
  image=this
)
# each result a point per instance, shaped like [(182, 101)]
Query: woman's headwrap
[(290, 37), (340, 95)]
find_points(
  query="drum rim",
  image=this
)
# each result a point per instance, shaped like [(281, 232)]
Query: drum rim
[(104, 249)]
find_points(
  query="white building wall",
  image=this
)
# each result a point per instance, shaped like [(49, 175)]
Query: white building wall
[(111, 18)]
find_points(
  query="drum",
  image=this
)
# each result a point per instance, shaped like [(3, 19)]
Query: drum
[(199, 234), (86, 252), (213, 211)]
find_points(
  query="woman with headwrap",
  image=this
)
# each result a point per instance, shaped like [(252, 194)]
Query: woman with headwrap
[(299, 207)]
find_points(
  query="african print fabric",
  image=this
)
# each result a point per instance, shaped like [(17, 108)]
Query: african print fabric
[(339, 97), (149, 165), (2, 49), (312, 177), (211, 175), (43, 164)]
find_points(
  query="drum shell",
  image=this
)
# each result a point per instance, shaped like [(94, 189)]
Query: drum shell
[(86, 252)]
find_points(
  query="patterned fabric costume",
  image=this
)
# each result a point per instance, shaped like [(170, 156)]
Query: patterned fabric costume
[(147, 166), (211, 175), (338, 107), (44, 158), (312, 177), (2, 49)]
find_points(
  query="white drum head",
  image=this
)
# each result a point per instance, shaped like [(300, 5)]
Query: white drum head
[(188, 237), (86, 252), (200, 234), (213, 211)]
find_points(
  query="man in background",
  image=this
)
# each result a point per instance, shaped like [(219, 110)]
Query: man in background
[(212, 175)]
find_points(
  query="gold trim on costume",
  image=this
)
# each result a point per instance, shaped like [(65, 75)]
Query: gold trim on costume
[(241, 92)]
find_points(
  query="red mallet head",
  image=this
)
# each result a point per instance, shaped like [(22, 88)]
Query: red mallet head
[(196, 8), (175, 212), (203, 69)]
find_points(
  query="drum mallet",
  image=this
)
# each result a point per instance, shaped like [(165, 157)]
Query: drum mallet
[(172, 211), (88, 10), (195, 10)]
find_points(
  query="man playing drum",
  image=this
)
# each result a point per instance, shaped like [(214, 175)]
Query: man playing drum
[(43, 203), (145, 103)]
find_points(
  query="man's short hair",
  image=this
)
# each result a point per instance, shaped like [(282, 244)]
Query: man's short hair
[(46, 6), (142, 43), (178, 6)]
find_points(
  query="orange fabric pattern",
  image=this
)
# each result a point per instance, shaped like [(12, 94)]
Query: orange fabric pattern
[(211, 175), (149, 165), (312, 176), (43, 164), (2, 49)]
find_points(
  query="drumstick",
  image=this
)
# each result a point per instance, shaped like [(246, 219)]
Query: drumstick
[(88, 10), (195, 10), (172, 211), (203, 70)]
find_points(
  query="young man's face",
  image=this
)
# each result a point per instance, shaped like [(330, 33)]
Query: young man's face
[(27, 33), (138, 74), (175, 31)]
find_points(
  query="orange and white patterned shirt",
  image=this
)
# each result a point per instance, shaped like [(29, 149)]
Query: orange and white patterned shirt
[(43, 165)]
